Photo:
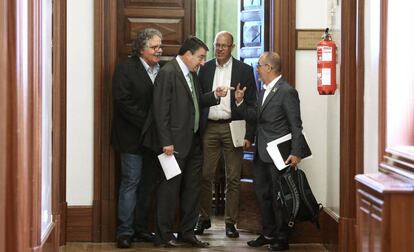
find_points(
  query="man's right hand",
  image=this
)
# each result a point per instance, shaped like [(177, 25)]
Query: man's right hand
[(222, 91), (168, 150)]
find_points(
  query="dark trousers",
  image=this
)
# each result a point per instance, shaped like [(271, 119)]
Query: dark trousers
[(274, 218), (150, 178), (182, 191)]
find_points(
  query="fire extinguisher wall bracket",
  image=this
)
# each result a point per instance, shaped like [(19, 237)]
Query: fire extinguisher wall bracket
[(326, 65)]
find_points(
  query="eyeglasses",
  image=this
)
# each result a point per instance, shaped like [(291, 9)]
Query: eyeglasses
[(222, 46), (156, 47), (260, 65)]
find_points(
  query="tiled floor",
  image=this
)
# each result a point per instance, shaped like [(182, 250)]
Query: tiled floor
[(215, 236)]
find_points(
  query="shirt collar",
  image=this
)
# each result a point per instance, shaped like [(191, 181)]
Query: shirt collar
[(183, 66), (225, 65), (272, 83), (148, 68)]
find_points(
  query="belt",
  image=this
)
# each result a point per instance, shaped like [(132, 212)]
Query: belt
[(220, 121)]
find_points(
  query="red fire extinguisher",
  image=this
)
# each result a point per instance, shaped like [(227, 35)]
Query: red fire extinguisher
[(326, 53)]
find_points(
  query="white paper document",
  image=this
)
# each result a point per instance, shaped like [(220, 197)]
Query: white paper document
[(238, 131), (169, 165), (279, 150)]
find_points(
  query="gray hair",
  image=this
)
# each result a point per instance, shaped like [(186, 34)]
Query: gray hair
[(141, 41), (273, 59)]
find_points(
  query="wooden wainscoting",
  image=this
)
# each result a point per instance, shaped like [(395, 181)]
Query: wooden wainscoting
[(79, 223)]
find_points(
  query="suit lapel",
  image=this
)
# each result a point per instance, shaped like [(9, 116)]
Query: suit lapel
[(270, 95), (235, 74), (142, 72), (183, 79), (210, 76)]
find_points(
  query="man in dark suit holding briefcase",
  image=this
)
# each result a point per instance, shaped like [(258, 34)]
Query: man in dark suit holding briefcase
[(278, 115)]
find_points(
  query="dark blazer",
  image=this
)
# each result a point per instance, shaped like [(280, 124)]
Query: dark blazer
[(279, 115), (173, 107), (240, 73), (132, 97)]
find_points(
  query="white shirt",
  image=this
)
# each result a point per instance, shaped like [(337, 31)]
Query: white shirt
[(269, 87), (185, 71), (151, 71), (222, 77)]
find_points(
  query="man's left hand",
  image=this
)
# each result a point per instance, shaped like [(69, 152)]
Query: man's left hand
[(239, 93)]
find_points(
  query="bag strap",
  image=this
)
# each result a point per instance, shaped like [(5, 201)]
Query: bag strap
[(287, 175)]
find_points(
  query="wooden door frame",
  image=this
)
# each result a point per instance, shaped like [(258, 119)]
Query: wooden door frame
[(351, 118), (20, 127), (282, 35)]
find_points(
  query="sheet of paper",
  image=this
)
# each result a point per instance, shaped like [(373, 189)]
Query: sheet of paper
[(169, 165), (238, 131)]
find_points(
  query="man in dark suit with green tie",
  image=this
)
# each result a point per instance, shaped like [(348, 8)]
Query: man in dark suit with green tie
[(176, 106)]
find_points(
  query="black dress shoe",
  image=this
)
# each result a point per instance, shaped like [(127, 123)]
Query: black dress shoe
[(201, 225), (193, 241), (173, 243), (231, 231), (124, 242), (279, 246), (260, 241), (144, 237)]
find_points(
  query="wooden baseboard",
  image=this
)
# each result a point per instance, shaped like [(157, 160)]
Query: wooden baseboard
[(329, 228), (62, 234), (79, 224), (346, 234)]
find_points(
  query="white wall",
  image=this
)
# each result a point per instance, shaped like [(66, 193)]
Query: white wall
[(372, 26), (320, 113), (79, 141)]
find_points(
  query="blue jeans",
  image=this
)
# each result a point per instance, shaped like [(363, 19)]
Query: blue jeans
[(131, 167)]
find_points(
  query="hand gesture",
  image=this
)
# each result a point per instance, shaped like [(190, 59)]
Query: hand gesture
[(239, 93), (222, 91)]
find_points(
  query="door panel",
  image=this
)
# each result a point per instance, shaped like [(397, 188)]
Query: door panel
[(174, 19)]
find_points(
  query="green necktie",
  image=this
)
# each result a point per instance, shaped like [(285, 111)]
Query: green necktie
[(195, 102)]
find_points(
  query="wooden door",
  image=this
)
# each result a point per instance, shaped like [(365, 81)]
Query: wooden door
[(117, 23), (174, 19)]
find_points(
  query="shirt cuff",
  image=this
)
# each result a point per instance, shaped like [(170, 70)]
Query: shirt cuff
[(238, 104)]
